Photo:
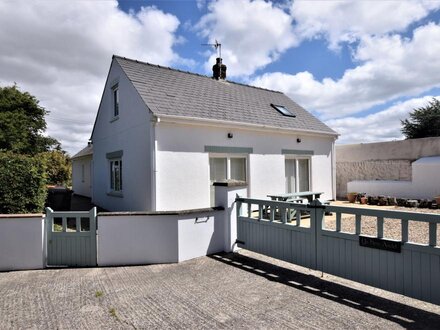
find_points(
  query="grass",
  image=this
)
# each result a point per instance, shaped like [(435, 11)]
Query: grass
[(99, 294), (112, 312)]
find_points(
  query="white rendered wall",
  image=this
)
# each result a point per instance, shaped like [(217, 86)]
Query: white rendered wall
[(131, 134), (129, 239), (80, 186), (225, 196), (136, 240), (21, 242), (201, 234), (402, 189), (181, 158), (266, 175), (182, 180)]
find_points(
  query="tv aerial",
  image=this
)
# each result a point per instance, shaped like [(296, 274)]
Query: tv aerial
[(217, 46)]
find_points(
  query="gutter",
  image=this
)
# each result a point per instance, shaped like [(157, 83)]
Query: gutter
[(229, 124)]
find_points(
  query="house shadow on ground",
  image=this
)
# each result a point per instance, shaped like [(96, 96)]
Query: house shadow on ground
[(406, 316)]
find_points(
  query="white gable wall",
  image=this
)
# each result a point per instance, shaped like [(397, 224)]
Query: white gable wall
[(182, 177), (129, 134), (82, 181)]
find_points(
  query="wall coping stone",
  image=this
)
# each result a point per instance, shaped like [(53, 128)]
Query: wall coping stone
[(21, 216), (155, 213)]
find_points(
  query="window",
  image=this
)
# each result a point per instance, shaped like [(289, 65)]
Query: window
[(223, 168), (116, 175), (283, 110), (227, 168), (115, 91), (297, 173)]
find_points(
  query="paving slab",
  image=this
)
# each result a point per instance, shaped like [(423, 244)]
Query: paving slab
[(239, 290)]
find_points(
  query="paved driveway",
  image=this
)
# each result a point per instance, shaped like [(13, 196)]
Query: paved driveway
[(243, 290)]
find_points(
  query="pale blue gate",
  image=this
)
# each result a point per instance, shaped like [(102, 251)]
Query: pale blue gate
[(71, 238), (401, 266)]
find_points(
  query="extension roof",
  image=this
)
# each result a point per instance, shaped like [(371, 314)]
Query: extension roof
[(171, 92), (87, 151)]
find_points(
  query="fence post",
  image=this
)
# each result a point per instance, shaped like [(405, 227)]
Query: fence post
[(316, 225)]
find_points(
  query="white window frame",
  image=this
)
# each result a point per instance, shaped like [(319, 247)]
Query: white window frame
[(228, 163), (296, 158), (113, 176)]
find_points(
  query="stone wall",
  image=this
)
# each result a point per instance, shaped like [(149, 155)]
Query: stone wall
[(370, 170), (380, 161)]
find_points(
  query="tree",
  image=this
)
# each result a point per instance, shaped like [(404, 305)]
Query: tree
[(423, 122), (58, 167), (22, 123), (28, 159)]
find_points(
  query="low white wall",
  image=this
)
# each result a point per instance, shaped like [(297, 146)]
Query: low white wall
[(137, 239), (21, 242), (200, 235), (382, 187)]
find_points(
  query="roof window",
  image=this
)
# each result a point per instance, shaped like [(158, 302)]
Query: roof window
[(283, 110)]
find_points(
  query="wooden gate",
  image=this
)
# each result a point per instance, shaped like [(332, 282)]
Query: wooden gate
[(397, 265), (71, 238)]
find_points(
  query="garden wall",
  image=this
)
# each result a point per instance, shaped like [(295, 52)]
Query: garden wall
[(380, 161), (21, 241)]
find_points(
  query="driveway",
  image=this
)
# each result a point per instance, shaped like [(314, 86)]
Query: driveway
[(241, 290)]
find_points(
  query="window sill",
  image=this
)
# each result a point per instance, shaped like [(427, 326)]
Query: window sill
[(114, 119), (115, 194)]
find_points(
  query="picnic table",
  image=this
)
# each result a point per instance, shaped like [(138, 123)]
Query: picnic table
[(310, 195)]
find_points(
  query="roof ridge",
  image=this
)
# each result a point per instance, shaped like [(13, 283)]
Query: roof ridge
[(192, 73)]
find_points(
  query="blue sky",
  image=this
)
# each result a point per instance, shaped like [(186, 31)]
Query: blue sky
[(360, 66)]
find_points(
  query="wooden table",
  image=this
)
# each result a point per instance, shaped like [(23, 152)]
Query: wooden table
[(310, 195)]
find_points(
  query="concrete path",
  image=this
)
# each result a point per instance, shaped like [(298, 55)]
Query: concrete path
[(242, 290)]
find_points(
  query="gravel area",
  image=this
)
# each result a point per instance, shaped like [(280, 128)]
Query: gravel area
[(225, 291), (418, 232)]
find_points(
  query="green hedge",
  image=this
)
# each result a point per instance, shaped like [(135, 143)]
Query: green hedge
[(22, 183)]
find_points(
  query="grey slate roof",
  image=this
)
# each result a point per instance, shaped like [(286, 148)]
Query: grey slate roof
[(84, 152), (169, 91)]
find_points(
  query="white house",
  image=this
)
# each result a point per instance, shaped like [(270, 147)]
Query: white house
[(82, 172), (163, 136)]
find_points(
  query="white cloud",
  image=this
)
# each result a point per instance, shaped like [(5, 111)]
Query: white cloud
[(347, 21), (392, 66), (60, 51), (381, 126), (253, 33)]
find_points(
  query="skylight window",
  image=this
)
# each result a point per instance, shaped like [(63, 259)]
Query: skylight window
[(283, 110)]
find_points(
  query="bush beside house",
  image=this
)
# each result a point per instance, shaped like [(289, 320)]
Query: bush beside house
[(22, 183)]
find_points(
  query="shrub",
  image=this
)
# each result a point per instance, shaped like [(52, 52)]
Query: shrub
[(22, 183)]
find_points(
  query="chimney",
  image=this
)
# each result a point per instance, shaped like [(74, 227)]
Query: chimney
[(219, 69)]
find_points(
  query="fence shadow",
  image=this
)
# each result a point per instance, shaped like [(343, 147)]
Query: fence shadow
[(407, 316)]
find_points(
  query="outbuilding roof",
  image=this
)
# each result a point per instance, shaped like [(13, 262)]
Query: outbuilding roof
[(171, 92), (87, 151)]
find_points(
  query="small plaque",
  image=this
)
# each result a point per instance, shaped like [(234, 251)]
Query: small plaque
[(379, 243)]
